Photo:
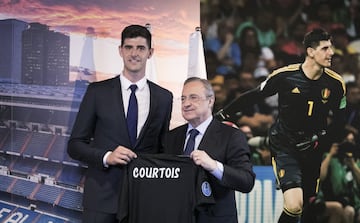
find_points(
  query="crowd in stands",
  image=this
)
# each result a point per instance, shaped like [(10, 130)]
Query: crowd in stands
[(246, 40)]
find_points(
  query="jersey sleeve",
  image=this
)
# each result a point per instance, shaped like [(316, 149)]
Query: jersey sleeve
[(267, 88)]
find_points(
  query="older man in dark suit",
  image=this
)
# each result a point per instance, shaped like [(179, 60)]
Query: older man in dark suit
[(101, 136), (220, 149)]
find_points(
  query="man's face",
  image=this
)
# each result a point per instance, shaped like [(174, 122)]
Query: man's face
[(323, 53), (135, 53), (196, 106)]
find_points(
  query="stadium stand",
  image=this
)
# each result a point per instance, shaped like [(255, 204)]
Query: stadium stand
[(39, 144), (22, 187), (15, 141), (71, 199), (48, 193), (34, 166), (5, 182)]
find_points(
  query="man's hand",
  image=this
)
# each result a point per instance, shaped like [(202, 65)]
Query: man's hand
[(333, 149), (201, 158), (121, 155)]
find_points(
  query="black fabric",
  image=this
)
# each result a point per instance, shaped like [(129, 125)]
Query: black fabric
[(92, 216), (284, 218), (163, 188)]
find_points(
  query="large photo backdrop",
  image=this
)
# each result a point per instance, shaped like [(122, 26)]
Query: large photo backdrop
[(50, 51)]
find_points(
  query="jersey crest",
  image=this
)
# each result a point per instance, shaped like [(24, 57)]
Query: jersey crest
[(325, 93), (206, 188)]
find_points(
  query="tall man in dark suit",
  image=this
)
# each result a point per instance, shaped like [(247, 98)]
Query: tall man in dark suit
[(220, 149), (100, 135)]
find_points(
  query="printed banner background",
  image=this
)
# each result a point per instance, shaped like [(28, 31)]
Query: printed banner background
[(50, 51)]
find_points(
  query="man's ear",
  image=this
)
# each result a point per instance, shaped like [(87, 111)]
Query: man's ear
[(151, 52), (310, 52), (120, 53), (212, 101)]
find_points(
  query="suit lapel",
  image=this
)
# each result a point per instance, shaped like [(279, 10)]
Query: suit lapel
[(179, 146), (119, 105), (210, 137), (152, 109)]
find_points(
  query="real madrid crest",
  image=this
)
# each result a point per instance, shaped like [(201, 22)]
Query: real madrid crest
[(206, 189), (325, 93)]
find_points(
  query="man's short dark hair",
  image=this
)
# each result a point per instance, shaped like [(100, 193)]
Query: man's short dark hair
[(133, 31), (312, 39)]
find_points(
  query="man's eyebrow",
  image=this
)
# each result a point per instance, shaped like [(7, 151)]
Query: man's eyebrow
[(137, 46)]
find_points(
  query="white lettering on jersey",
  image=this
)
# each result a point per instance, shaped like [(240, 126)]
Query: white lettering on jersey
[(156, 172)]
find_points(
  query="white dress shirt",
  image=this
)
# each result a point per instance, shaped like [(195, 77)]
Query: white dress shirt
[(143, 99), (219, 171)]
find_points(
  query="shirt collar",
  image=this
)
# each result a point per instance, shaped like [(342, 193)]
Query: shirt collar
[(126, 83), (202, 127)]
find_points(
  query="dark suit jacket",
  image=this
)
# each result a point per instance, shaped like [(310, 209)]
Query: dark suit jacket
[(101, 126), (228, 146)]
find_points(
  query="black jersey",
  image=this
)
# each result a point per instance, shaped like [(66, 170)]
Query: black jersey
[(163, 188), (304, 105)]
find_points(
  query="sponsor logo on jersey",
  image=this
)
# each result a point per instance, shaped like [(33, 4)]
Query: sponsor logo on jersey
[(206, 189), (295, 90), (156, 172)]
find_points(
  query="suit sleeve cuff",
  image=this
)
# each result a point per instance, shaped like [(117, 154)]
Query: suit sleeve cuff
[(219, 171)]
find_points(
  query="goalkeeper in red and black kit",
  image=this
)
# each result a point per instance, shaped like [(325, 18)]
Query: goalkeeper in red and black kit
[(308, 94)]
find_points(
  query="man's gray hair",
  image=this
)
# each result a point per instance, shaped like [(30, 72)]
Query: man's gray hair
[(207, 85)]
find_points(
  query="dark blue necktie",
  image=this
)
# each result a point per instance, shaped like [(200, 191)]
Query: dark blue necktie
[(191, 142), (132, 115)]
